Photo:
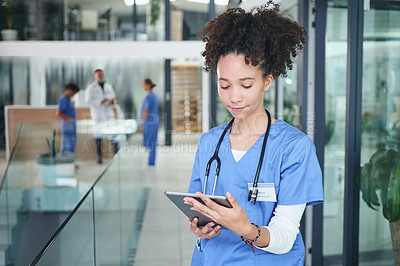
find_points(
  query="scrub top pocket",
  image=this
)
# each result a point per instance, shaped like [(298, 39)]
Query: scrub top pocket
[(198, 257)]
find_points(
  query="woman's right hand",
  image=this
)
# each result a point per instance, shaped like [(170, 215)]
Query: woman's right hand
[(206, 231)]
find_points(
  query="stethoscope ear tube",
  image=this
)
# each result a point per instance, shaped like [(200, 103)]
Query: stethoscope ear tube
[(255, 190), (216, 174), (215, 157)]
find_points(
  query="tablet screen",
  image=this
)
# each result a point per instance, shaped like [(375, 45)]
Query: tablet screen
[(177, 199)]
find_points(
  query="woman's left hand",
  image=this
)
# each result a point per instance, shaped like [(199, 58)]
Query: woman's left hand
[(234, 219)]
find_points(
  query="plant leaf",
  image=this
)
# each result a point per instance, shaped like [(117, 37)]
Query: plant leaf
[(368, 186), (49, 144), (53, 147), (392, 208)]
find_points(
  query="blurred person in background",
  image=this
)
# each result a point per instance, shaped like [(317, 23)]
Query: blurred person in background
[(101, 97), (150, 120), (66, 111)]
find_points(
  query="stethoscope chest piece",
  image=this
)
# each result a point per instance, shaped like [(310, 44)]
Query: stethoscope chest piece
[(253, 195)]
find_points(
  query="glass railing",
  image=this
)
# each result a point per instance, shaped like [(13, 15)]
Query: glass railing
[(103, 228), (37, 199), (6, 219)]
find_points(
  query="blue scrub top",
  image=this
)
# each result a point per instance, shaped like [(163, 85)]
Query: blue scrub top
[(290, 163), (150, 102), (67, 108), (65, 105)]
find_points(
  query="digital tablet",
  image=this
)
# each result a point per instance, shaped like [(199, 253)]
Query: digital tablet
[(177, 199)]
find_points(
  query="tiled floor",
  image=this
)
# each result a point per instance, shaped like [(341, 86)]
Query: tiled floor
[(166, 238)]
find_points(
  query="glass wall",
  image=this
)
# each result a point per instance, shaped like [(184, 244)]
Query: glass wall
[(188, 17), (380, 175), (104, 20), (105, 228), (36, 195), (335, 124), (72, 20), (286, 87)]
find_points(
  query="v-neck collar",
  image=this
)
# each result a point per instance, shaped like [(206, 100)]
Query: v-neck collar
[(260, 139), (226, 138)]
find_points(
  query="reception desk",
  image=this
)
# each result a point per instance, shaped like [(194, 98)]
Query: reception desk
[(39, 123)]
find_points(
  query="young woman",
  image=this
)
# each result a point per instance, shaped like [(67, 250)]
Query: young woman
[(269, 171), (150, 120)]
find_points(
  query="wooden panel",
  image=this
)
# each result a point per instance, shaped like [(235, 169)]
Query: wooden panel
[(186, 98), (39, 123)]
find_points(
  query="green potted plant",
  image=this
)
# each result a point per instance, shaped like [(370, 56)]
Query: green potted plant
[(153, 12), (55, 165), (11, 14), (382, 174), (155, 9)]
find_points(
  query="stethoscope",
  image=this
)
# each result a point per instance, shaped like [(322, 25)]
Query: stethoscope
[(253, 192)]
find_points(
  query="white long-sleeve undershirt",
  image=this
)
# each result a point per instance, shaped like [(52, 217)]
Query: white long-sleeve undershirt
[(284, 224), (284, 227)]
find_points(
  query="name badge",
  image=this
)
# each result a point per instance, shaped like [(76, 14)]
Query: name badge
[(266, 191)]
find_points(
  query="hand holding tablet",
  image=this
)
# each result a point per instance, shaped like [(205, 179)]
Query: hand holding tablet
[(177, 199)]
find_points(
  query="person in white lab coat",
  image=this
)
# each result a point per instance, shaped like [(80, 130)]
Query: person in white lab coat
[(101, 97)]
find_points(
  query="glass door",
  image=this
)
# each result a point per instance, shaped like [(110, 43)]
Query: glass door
[(380, 162), (335, 125), (283, 96)]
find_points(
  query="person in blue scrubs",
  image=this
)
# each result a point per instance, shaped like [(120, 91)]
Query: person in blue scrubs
[(150, 120), (66, 111), (248, 50)]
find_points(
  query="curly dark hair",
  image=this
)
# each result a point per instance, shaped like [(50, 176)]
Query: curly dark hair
[(264, 36)]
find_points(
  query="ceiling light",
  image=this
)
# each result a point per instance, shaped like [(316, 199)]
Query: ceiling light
[(129, 2), (138, 2), (142, 2), (217, 2)]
